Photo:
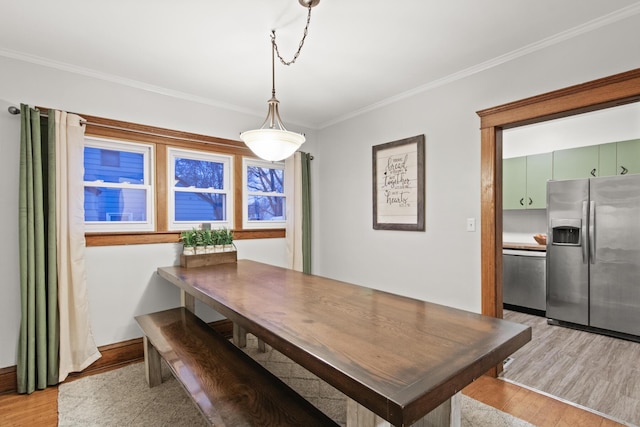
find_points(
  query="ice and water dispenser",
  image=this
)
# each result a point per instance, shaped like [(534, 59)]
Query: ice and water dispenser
[(566, 232)]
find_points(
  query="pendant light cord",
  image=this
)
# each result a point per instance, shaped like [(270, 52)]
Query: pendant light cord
[(304, 36), (273, 65)]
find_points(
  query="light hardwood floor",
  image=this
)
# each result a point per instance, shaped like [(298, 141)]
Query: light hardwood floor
[(41, 407), (37, 409), (592, 370), (535, 408)]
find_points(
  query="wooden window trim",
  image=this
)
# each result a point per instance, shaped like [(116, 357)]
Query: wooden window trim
[(162, 138)]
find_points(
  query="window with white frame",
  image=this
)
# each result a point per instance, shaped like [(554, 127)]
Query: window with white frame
[(264, 202), (200, 189), (118, 193)]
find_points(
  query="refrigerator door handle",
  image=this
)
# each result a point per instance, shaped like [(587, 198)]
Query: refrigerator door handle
[(592, 231), (585, 212)]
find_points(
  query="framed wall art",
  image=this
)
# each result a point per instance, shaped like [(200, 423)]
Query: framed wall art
[(398, 185)]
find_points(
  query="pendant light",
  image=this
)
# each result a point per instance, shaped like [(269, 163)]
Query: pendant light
[(273, 141)]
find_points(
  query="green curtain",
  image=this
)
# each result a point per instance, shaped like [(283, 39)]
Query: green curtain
[(305, 160), (37, 365)]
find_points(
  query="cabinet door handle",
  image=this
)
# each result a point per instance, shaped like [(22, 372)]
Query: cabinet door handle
[(530, 201), (522, 202), (623, 170), (593, 172)]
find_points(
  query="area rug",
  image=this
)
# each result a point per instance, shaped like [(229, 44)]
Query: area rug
[(121, 397)]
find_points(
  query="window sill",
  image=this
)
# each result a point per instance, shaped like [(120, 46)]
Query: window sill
[(142, 238)]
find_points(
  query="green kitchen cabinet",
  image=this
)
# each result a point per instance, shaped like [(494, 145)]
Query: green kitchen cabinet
[(576, 163), (628, 157), (514, 182), (607, 164), (539, 171), (616, 158), (524, 181)]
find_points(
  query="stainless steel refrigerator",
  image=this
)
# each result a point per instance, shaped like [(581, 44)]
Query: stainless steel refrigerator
[(593, 253)]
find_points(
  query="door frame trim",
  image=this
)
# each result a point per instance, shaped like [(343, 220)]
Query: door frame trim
[(619, 89)]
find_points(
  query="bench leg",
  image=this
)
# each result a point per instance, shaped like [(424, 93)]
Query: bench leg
[(261, 346), (445, 415), (152, 369)]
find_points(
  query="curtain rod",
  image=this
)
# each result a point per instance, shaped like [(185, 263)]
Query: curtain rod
[(16, 111)]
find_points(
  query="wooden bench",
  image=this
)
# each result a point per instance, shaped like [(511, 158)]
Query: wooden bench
[(227, 385)]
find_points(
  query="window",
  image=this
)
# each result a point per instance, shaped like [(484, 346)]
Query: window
[(264, 203), (118, 195), (144, 184), (200, 189)]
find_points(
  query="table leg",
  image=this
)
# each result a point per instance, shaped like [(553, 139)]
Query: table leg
[(187, 301), (239, 335), (445, 415), (240, 338)]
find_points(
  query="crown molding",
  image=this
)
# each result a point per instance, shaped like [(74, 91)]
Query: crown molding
[(112, 78)]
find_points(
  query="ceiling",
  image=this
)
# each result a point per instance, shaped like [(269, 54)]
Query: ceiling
[(359, 54)]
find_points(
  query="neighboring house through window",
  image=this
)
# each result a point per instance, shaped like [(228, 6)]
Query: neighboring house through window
[(118, 195)]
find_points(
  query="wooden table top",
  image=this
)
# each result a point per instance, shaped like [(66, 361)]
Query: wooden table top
[(398, 356)]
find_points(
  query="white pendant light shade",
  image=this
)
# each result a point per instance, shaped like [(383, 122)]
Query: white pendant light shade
[(272, 144)]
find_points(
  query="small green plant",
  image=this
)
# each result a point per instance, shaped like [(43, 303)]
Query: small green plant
[(188, 238), (224, 237), (218, 237), (207, 236), (199, 237), (227, 236)]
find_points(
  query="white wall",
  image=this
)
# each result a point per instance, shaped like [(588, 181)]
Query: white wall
[(10, 283), (520, 225), (441, 264), (121, 279), (123, 283)]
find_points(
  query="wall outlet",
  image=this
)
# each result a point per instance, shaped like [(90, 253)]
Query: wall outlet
[(471, 224)]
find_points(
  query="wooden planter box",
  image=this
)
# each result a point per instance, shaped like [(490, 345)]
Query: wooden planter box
[(188, 261)]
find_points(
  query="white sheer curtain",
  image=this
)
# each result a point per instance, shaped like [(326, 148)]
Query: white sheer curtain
[(293, 194), (77, 346)]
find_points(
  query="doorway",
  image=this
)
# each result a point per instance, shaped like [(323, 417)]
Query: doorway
[(619, 89), (603, 93)]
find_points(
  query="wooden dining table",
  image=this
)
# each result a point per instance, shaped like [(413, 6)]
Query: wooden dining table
[(396, 358)]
